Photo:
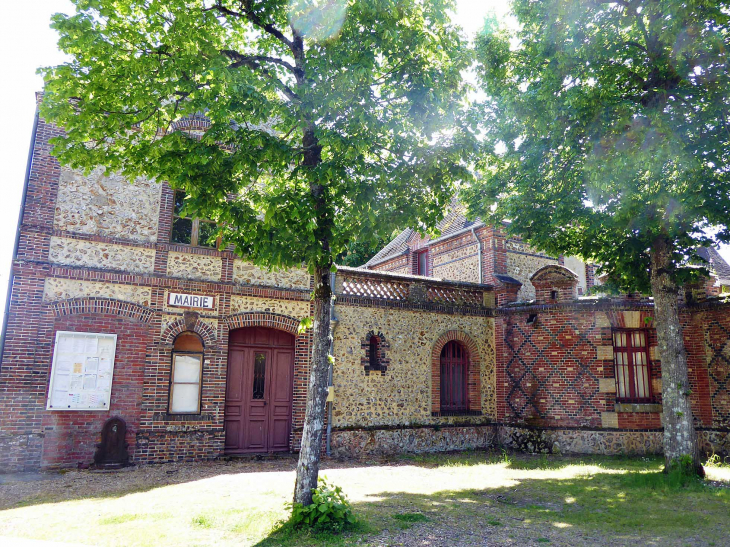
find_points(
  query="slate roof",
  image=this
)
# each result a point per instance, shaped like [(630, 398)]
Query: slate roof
[(395, 248), (717, 264), (454, 222)]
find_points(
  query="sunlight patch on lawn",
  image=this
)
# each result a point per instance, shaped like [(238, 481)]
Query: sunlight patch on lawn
[(718, 473)]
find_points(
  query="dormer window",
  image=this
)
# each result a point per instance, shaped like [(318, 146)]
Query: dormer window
[(422, 263)]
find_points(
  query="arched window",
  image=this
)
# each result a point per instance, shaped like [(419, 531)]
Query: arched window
[(186, 375), (373, 356), (454, 374)]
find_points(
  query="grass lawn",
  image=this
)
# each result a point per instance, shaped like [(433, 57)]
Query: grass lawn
[(474, 498)]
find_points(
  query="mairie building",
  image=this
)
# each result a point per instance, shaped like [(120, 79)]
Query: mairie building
[(130, 335)]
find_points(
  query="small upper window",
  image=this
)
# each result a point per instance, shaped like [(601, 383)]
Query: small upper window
[(422, 263), (373, 356), (191, 231)]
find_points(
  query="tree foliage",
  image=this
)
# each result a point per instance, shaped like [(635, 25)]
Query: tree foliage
[(606, 126), (296, 125), (377, 93)]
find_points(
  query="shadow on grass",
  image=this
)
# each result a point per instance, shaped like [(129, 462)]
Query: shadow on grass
[(611, 507)]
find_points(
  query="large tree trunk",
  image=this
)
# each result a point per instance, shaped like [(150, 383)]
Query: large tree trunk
[(308, 466), (680, 437)]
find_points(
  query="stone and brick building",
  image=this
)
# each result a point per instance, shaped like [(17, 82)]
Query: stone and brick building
[(119, 308)]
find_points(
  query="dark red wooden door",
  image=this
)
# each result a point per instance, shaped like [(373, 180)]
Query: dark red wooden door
[(259, 390), (454, 373)]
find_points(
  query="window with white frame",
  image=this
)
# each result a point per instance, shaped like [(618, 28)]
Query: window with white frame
[(186, 374)]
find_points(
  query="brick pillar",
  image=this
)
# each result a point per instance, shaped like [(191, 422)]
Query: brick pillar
[(494, 253)]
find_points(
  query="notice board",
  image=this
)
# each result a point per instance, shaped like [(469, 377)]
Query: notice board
[(82, 371)]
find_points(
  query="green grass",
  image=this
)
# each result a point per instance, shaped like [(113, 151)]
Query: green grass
[(542, 499), (411, 517)]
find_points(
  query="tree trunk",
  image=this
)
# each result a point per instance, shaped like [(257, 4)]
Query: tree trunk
[(308, 466), (680, 437)]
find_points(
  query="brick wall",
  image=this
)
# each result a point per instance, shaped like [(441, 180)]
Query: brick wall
[(558, 368), (70, 437)]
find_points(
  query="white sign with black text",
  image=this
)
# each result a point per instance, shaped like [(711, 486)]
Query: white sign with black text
[(190, 301)]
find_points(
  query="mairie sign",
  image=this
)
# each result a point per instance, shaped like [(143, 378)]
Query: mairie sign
[(190, 300)]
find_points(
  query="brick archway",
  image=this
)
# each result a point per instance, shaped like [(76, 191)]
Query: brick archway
[(190, 324), (302, 349), (473, 379), (262, 319), (98, 305)]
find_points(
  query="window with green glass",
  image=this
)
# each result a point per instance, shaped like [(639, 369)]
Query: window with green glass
[(191, 231)]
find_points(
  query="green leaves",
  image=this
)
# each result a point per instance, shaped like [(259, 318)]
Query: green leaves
[(216, 97), (602, 129), (330, 509)]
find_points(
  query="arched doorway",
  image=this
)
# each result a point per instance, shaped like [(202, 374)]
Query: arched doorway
[(259, 390)]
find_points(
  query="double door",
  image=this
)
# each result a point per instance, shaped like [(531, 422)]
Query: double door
[(259, 395)]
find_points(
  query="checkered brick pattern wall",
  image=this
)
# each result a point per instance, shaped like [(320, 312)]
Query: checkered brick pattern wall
[(551, 370)]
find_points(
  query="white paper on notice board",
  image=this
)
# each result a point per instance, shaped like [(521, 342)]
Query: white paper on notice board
[(82, 371)]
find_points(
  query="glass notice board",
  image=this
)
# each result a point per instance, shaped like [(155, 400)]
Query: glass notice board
[(82, 371)]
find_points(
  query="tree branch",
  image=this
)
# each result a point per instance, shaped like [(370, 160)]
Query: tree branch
[(252, 61), (248, 13)]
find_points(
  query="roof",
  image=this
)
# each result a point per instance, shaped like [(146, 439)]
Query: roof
[(456, 221), (453, 223), (395, 248), (716, 263)]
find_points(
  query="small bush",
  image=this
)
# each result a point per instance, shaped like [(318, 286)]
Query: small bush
[(329, 511), (714, 460), (202, 521)]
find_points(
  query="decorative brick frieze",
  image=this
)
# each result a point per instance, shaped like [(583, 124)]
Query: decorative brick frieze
[(102, 306)]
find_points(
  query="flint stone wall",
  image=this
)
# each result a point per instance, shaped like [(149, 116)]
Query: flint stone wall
[(105, 256), (577, 441), (402, 396), (56, 289), (194, 266), (247, 274), (522, 262), (386, 442), (399, 265), (357, 443), (458, 265), (293, 308), (109, 206)]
